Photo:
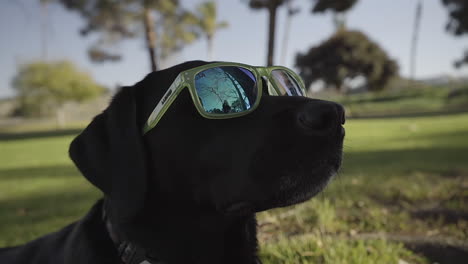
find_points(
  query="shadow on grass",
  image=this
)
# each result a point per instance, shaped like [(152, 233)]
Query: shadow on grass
[(26, 218), (437, 250), (39, 134), (39, 172), (442, 214), (45, 205), (440, 253)]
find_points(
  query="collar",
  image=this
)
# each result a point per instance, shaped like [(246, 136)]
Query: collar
[(128, 252)]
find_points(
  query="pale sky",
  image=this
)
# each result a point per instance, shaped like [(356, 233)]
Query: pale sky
[(389, 23)]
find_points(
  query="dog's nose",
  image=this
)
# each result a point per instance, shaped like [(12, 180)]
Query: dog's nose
[(321, 116)]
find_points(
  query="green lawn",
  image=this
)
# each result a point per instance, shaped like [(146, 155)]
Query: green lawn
[(402, 177), (40, 189)]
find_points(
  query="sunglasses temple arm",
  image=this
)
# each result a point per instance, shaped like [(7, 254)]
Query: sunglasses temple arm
[(162, 106)]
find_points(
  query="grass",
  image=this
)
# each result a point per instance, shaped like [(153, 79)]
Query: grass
[(394, 169), (40, 189), (314, 249)]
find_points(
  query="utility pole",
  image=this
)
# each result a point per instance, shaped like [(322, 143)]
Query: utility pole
[(44, 31), (414, 42), (284, 47)]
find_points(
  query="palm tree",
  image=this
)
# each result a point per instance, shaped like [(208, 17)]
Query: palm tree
[(208, 24), (271, 6)]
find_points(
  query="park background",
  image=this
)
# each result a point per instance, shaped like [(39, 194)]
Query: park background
[(402, 195)]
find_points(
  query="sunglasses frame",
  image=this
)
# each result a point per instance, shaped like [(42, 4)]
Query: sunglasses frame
[(186, 79)]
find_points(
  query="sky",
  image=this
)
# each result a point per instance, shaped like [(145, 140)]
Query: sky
[(389, 23)]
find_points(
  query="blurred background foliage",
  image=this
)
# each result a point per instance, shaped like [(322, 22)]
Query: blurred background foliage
[(345, 56), (458, 22), (401, 197), (44, 87), (164, 24)]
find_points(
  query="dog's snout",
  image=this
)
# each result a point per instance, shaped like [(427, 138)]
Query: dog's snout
[(321, 117)]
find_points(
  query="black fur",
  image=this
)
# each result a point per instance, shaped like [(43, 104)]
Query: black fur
[(188, 190)]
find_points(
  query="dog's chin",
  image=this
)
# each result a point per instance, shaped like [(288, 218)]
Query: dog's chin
[(300, 186), (293, 185), (287, 195)]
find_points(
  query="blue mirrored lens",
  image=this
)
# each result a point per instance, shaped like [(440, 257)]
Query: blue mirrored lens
[(226, 89), (287, 84)]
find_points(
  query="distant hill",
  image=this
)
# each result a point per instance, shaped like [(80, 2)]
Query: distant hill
[(444, 79)]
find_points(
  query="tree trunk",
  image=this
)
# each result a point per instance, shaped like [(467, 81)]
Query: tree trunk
[(60, 116), (339, 21), (209, 40), (150, 36), (271, 33)]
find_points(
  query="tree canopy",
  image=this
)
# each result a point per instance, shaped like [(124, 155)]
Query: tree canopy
[(336, 6), (344, 56), (43, 87), (165, 25), (458, 22)]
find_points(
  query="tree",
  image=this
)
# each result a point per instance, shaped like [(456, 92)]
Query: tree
[(43, 88), (345, 56), (271, 6), (165, 25), (338, 7), (208, 25), (458, 22)]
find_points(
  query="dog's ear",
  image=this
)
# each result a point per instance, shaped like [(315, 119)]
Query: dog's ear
[(110, 154)]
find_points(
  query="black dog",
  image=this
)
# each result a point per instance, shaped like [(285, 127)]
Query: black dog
[(188, 191)]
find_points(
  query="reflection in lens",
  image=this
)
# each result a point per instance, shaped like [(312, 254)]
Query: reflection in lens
[(287, 84), (226, 89)]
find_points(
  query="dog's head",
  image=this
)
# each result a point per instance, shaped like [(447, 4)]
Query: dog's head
[(282, 153)]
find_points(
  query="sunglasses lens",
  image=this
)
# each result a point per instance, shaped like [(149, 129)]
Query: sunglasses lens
[(287, 84), (226, 89)]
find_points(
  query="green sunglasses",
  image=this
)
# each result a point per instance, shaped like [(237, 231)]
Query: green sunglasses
[(224, 90)]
